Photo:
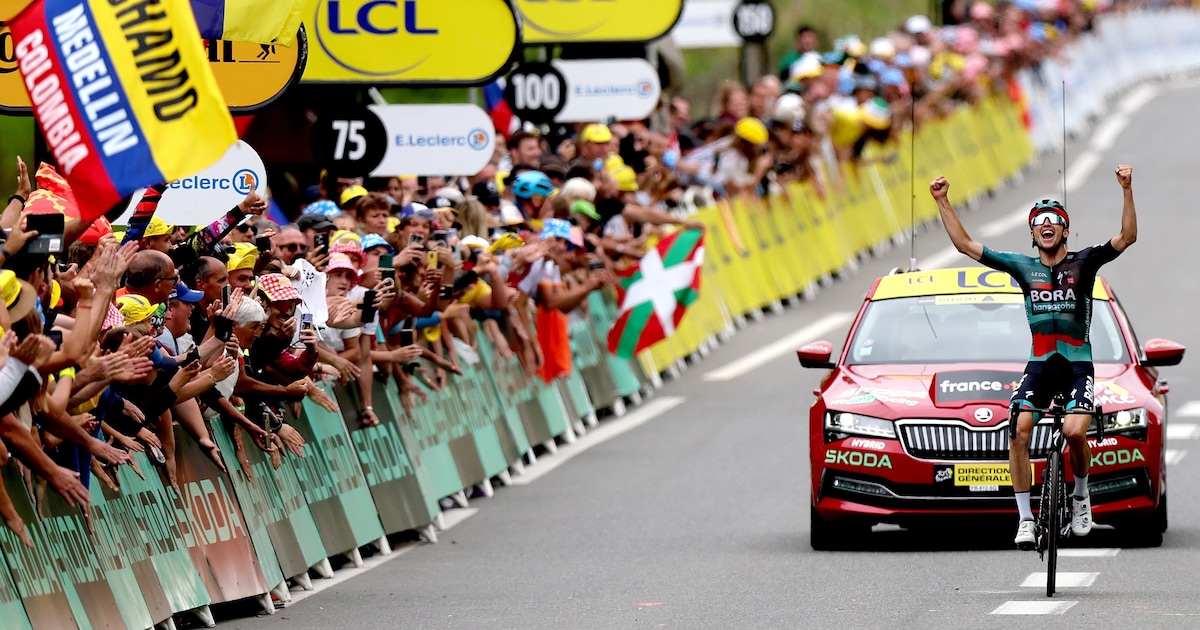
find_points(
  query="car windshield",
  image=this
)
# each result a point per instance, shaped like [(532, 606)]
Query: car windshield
[(962, 328)]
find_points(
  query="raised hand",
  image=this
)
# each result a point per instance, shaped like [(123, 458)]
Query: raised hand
[(1125, 175), (939, 188)]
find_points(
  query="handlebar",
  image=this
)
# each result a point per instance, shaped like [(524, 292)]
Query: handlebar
[(1058, 411)]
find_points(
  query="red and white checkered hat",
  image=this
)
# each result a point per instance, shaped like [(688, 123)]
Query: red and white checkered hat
[(278, 288), (113, 317)]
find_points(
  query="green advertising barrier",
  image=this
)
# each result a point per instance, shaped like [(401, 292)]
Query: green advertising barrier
[(513, 391), (135, 526), (590, 363), (391, 466), (575, 395), (272, 500), (212, 526), (603, 312), (331, 479), (60, 579), (12, 611)]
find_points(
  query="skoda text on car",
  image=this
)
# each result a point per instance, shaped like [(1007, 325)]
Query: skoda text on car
[(911, 422)]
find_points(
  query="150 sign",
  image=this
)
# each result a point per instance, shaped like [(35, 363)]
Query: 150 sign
[(754, 20)]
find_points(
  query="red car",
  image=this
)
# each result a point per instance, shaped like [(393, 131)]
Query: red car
[(911, 422)]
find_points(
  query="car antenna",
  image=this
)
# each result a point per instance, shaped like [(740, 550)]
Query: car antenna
[(1064, 168), (912, 179)]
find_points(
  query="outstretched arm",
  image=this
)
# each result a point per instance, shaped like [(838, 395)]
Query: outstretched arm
[(1128, 214), (958, 234)]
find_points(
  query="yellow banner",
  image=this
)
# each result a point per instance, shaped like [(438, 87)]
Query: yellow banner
[(983, 474), (981, 280), (564, 21), (410, 41), (10, 8)]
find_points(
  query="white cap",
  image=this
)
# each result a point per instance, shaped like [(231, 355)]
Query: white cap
[(882, 48), (917, 24), (789, 108), (450, 192)]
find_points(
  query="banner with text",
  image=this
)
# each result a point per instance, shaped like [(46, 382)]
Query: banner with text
[(560, 22)]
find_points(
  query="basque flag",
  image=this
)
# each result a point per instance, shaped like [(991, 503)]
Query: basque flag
[(123, 93)]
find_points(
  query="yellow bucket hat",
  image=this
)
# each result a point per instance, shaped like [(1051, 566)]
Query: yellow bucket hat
[(135, 308), (158, 227), (244, 256)]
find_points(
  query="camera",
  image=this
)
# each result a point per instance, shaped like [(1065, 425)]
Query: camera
[(263, 243), (50, 228)]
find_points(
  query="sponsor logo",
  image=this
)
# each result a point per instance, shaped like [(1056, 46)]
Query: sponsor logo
[(1039, 275), (875, 445), (1057, 295), (942, 475), (855, 458), (967, 385), (1108, 441), (990, 279), (1110, 393), (983, 475), (921, 279), (476, 139), (242, 182), (983, 414), (641, 89), (1116, 458), (865, 395)]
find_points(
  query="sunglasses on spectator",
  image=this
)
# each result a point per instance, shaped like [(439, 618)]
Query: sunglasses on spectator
[(245, 227), (1053, 217), (291, 247)]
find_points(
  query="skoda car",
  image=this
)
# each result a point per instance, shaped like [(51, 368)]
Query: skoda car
[(911, 422)]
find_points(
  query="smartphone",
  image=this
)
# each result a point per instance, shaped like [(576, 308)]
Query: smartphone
[(306, 320), (321, 242), (63, 266), (431, 260), (263, 243), (422, 185), (192, 355), (368, 306), (408, 336), (439, 238), (56, 336), (50, 227), (595, 265), (226, 296), (386, 269), (267, 421)]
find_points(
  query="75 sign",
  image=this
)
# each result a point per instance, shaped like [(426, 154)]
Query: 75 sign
[(351, 141)]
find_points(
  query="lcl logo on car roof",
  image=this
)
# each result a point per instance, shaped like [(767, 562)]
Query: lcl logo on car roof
[(983, 414)]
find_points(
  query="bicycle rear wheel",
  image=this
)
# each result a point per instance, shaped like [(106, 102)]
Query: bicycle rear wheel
[(1052, 493)]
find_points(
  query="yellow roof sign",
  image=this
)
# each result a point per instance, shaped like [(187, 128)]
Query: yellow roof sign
[(956, 281)]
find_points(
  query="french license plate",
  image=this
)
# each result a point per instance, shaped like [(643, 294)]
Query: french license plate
[(984, 488)]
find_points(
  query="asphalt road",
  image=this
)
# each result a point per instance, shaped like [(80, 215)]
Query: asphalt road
[(698, 518)]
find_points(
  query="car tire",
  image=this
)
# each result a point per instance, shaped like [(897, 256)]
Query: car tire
[(834, 535), (1148, 532)]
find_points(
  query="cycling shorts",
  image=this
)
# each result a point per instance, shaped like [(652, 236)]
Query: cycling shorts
[(1043, 379)]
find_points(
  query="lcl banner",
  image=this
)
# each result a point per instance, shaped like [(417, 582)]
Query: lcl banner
[(574, 21), (202, 198), (432, 42)]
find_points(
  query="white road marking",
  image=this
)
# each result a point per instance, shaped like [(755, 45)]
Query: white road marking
[(1081, 169), (598, 435), (1112, 127), (1183, 431), (1064, 579), (453, 517), (790, 343), (1011, 221), (1190, 409), (1033, 608), (1136, 98), (1174, 456), (1100, 552)]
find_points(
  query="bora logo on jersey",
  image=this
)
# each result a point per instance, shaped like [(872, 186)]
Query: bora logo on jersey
[(410, 41)]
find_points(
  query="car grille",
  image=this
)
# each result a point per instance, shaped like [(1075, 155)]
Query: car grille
[(954, 440)]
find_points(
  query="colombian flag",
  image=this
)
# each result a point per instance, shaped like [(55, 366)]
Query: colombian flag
[(123, 93), (258, 21)]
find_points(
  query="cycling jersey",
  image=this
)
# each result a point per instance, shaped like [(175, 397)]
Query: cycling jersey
[(1058, 299)]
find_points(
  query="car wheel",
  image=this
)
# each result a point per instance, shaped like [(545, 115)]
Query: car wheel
[(834, 535), (1148, 532)]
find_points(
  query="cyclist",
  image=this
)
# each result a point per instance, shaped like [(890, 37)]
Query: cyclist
[(1057, 284)]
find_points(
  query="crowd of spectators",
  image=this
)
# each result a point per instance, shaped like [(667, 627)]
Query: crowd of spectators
[(124, 334)]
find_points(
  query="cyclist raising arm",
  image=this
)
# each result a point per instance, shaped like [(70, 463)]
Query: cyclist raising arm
[(1057, 284)]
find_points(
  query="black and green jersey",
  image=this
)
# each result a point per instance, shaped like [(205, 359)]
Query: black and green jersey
[(1058, 299)]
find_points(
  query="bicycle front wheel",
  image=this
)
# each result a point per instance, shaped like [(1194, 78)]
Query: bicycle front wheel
[(1052, 493)]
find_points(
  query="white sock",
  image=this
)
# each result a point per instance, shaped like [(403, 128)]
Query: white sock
[(1023, 506), (1081, 490)]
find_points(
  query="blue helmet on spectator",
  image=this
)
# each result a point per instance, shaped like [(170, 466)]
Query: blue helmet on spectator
[(532, 183)]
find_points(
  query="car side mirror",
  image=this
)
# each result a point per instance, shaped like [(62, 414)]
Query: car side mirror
[(1163, 352), (816, 355)]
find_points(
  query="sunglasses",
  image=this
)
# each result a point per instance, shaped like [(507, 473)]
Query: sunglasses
[(245, 227), (1042, 217), (291, 247)]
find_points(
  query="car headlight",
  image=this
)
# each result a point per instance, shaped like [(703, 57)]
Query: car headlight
[(857, 424), (1125, 421)]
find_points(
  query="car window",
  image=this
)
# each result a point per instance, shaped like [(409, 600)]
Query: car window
[(955, 328), (1124, 319)]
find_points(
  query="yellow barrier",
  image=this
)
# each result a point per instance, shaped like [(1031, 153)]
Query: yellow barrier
[(759, 252)]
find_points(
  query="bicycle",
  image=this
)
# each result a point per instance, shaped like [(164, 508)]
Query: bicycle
[(1053, 521)]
